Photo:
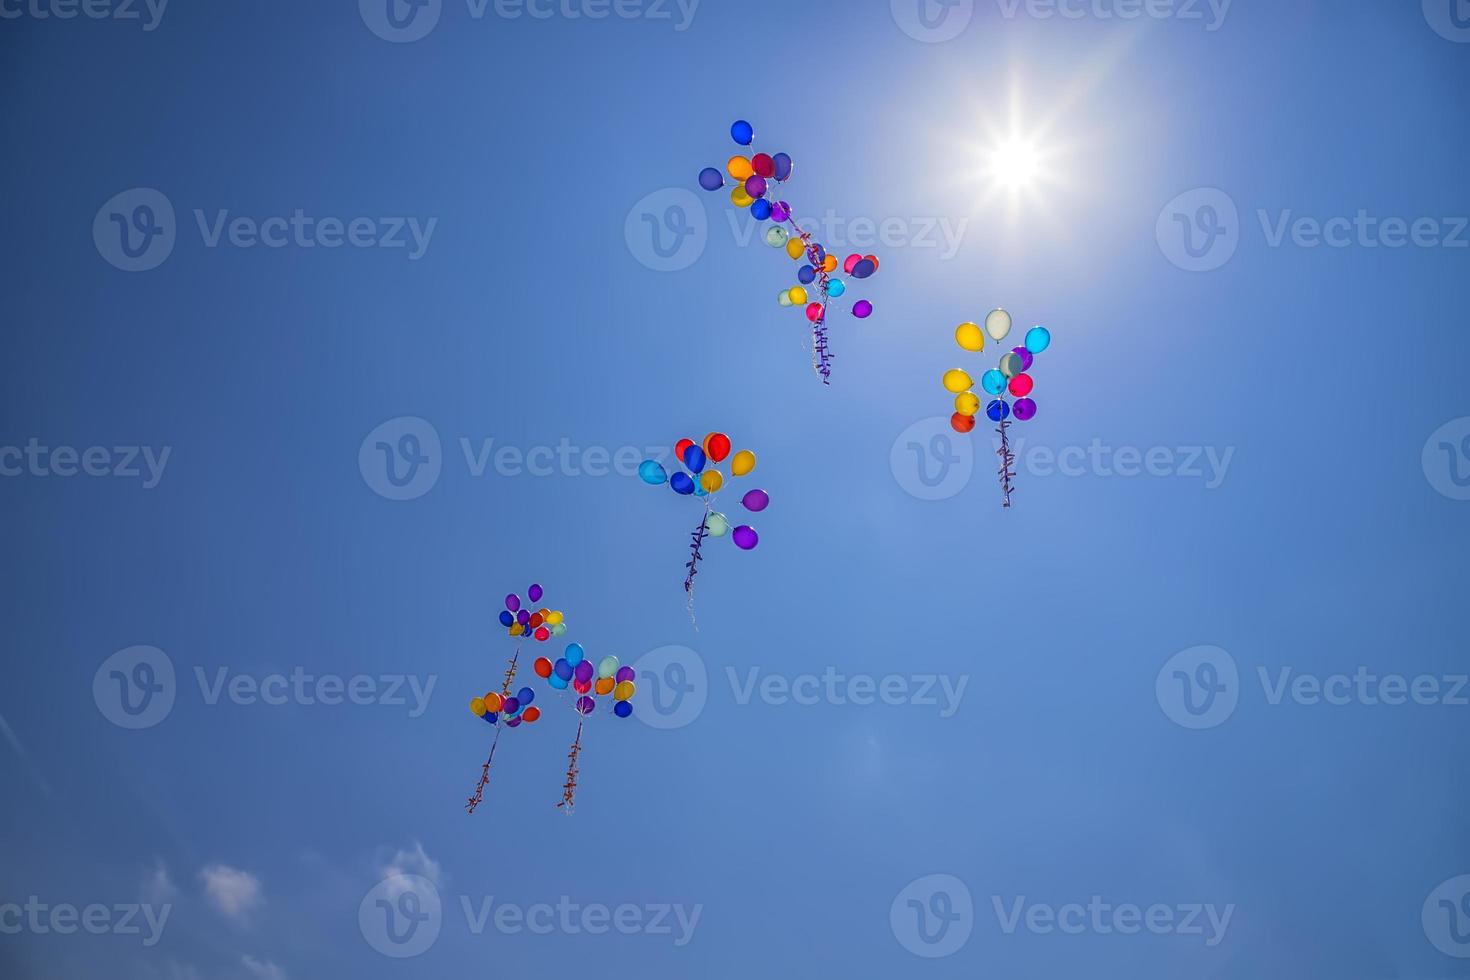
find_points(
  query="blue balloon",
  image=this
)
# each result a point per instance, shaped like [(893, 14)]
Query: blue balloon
[(622, 709), (650, 472), (836, 287), (557, 681), (1038, 339), (742, 132), (997, 410), (575, 654), (760, 210), (711, 179), (561, 669), (993, 382), (783, 165), (806, 274), (864, 269), (682, 483), (525, 696), (507, 619), (694, 458), (490, 717)]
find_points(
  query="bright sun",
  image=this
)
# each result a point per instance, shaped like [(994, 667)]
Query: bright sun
[(1014, 164)]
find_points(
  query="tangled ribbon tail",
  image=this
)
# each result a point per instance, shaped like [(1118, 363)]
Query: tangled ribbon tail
[(510, 672), (1007, 461), (821, 355), (696, 555), (569, 788), (479, 794)]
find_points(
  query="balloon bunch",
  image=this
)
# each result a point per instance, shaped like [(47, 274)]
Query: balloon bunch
[(755, 179), (705, 480), (503, 709), (1008, 377), (573, 669)]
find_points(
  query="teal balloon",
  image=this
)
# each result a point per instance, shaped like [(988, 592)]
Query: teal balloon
[(557, 681), (607, 666), (993, 382), (1038, 339), (651, 472), (575, 654), (836, 287)]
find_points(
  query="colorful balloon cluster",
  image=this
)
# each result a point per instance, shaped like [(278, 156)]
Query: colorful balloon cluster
[(513, 709), (704, 479), (755, 178), (1009, 377), (541, 624), (574, 670)]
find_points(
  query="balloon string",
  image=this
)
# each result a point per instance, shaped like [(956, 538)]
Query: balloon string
[(1007, 461), (821, 356), (696, 555), (479, 794), (510, 673), (569, 788)]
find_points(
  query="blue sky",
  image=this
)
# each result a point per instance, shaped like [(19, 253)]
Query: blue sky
[(1190, 707)]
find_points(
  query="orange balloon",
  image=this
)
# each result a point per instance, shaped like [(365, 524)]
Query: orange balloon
[(829, 263), (605, 685), (492, 702), (739, 167), (530, 714), (873, 259)]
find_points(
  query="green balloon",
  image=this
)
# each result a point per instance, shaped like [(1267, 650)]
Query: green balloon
[(718, 525), (776, 236), (607, 666), (559, 629)]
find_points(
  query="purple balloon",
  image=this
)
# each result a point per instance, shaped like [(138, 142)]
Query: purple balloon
[(1025, 356), (584, 671), (512, 723), (585, 704), (623, 674), (535, 593), (783, 165), (512, 602), (755, 185), (862, 309), (1024, 409), (562, 668), (523, 617), (745, 537), (756, 500), (711, 179), (780, 211), (510, 705)]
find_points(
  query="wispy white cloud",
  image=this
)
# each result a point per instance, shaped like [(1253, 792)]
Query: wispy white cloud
[(234, 892), (158, 888), (262, 969), (413, 862)]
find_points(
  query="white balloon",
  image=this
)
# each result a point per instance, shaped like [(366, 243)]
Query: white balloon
[(718, 525), (997, 324)]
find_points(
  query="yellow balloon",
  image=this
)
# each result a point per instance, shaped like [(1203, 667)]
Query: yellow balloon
[(795, 247), (739, 198), (969, 336), (740, 167), (604, 685), (743, 462), (492, 702), (966, 403), (711, 480), (957, 381), (797, 294), (516, 629), (555, 617), (829, 263), (623, 691), (478, 706)]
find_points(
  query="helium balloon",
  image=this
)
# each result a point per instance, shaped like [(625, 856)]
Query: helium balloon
[(510, 705), (814, 312), (559, 629), (961, 422), (525, 696), (957, 381), (805, 275), (682, 483), (530, 715), (507, 619), (743, 462), (966, 403), (603, 685), (850, 263), (584, 671), (755, 186), (694, 458), (624, 674), (760, 210), (493, 701), (1010, 365), (523, 616), (739, 198), (717, 525), (535, 593), (795, 248), (742, 132), (562, 668), (756, 500), (585, 705), (835, 287), (542, 634), (797, 294), (1020, 386), (781, 211), (607, 666), (682, 445), (862, 309), (739, 167), (622, 709), (776, 235), (1025, 409), (711, 481), (1038, 339), (513, 602), (1024, 355), (542, 666), (477, 705), (711, 179), (558, 681), (782, 163), (623, 691), (491, 717), (717, 446), (997, 324), (784, 298), (555, 617), (969, 336), (997, 410), (993, 382), (763, 165), (575, 654), (864, 269), (745, 537)]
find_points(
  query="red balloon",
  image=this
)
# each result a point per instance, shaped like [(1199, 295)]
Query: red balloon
[(873, 259), (542, 667), (581, 687), (763, 165), (962, 423), (536, 620), (542, 633), (1021, 385), (814, 312), (717, 446), (530, 714), (680, 446)]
